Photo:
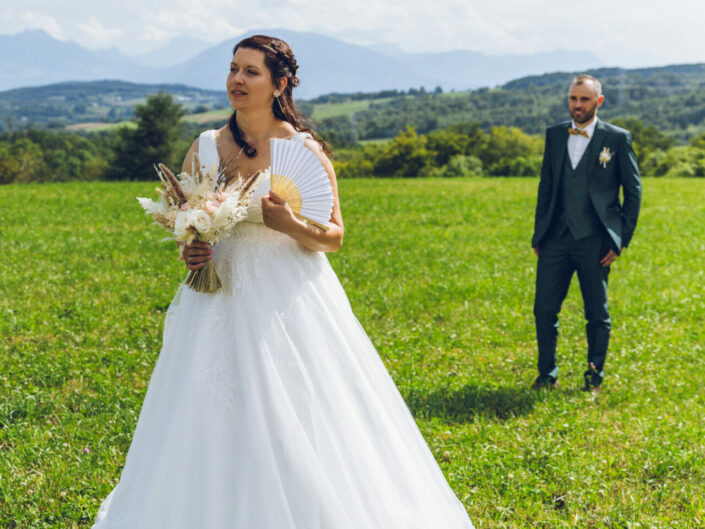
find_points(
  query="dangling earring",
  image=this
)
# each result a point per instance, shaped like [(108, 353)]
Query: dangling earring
[(277, 93)]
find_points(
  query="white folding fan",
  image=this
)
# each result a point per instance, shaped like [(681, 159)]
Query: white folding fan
[(298, 176)]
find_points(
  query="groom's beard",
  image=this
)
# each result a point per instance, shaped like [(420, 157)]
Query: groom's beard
[(584, 115)]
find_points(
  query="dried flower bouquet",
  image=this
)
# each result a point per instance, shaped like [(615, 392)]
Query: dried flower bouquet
[(200, 206)]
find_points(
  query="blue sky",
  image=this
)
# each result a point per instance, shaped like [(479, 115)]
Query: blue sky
[(621, 32)]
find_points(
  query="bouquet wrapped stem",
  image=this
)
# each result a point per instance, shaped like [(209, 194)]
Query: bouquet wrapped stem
[(200, 207), (205, 279)]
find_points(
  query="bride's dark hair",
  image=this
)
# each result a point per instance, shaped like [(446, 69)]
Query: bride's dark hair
[(281, 63)]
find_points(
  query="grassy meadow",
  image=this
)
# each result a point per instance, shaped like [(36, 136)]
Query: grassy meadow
[(440, 273)]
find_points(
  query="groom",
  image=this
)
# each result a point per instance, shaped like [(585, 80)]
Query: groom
[(580, 224)]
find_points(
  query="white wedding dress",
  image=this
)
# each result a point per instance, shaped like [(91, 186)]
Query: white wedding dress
[(269, 407)]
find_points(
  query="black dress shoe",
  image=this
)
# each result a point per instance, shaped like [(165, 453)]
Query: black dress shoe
[(593, 381), (544, 382)]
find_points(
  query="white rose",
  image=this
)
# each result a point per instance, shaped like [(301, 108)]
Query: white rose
[(201, 221), (181, 225)]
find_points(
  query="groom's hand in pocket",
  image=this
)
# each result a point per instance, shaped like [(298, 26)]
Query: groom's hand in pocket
[(536, 250), (608, 259)]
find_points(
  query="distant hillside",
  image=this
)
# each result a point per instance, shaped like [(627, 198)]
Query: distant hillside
[(672, 98), (60, 104)]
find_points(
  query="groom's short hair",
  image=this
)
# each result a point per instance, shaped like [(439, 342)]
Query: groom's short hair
[(583, 77)]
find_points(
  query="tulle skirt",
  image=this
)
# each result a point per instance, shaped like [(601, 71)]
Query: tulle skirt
[(269, 408)]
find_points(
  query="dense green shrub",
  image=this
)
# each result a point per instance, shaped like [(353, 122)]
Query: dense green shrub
[(43, 156), (460, 166), (456, 151)]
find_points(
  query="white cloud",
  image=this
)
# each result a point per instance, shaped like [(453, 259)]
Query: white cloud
[(156, 34), (98, 35), (196, 23), (37, 20), (622, 32)]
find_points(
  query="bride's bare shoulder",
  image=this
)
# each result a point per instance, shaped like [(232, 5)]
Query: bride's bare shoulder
[(223, 135)]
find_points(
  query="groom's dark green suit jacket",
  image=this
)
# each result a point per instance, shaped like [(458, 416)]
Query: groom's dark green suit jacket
[(604, 181)]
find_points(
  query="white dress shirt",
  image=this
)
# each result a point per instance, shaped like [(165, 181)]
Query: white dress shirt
[(577, 144)]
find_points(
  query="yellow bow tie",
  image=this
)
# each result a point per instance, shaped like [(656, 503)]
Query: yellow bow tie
[(579, 132)]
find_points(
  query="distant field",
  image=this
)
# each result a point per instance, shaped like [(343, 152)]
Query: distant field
[(97, 127), (440, 274), (213, 115), (378, 141), (329, 110), (321, 111), (204, 117), (461, 93)]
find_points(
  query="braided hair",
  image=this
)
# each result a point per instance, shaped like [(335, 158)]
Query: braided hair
[(281, 63)]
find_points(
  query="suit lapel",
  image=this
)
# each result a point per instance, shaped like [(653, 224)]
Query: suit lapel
[(593, 150), (560, 146)]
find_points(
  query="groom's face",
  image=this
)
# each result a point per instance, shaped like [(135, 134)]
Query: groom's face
[(583, 102)]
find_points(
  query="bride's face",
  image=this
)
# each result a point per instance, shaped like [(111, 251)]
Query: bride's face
[(249, 83)]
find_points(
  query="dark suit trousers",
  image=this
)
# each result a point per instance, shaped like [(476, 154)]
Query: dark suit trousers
[(559, 257)]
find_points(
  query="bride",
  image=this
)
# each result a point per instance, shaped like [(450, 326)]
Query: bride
[(269, 408)]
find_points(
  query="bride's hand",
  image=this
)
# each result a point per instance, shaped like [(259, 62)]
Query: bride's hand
[(277, 214), (196, 254)]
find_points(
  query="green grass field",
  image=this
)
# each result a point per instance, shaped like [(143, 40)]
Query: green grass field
[(440, 273)]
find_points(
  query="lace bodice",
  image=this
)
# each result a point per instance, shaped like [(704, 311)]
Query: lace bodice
[(209, 159)]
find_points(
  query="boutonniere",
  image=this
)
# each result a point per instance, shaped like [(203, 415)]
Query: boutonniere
[(605, 157)]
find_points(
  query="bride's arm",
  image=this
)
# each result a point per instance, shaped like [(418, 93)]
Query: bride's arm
[(277, 214), (187, 164)]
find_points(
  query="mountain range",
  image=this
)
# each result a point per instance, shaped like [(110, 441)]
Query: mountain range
[(328, 65)]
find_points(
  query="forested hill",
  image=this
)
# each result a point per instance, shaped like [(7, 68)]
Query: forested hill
[(85, 101), (671, 98)]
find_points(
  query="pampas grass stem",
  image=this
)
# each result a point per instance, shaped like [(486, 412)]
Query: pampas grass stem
[(205, 279)]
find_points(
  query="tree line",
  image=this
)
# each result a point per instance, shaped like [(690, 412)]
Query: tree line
[(126, 153), (470, 150), (456, 150)]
